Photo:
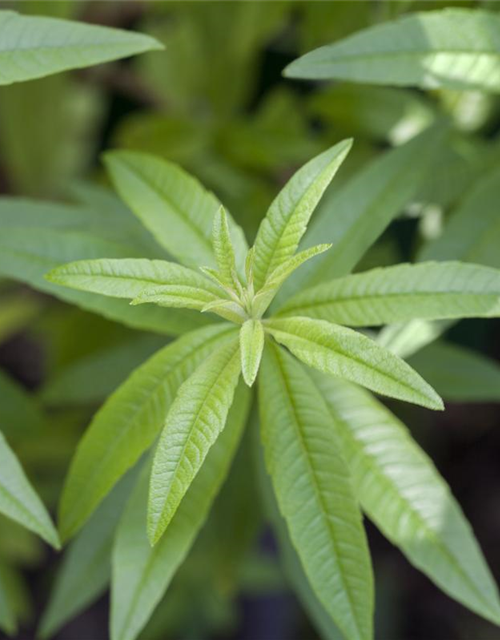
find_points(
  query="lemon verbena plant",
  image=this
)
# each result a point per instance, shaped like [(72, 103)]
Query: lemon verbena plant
[(331, 449)]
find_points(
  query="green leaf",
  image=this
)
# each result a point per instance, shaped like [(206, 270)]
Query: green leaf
[(265, 296), (21, 418), (428, 291), (406, 339), (129, 422), (354, 216), (468, 236), (137, 279), (286, 221), (34, 47), (16, 311), (401, 491), (314, 493), (223, 249), (193, 424), (93, 377), (173, 205), (458, 374), (348, 354), (142, 573), (14, 599), (251, 346), (86, 567), (27, 254), (19, 501), (455, 48)]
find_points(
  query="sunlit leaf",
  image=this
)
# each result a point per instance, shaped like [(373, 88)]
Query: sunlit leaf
[(251, 346)]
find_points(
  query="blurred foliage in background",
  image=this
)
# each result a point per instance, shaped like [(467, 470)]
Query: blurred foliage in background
[(216, 103)]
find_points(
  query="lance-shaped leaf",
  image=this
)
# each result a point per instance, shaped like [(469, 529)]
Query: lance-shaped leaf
[(223, 249), (401, 491), (27, 254), (128, 423), (348, 354), (251, 346), (354, 216), (286, 221), (427, 291), (194, 422), (19, 501), (86, 567), (141, 573), (314, 492), (265, 296), (136, 279), (459, 374), (34, 46), (14, 599), (173, 205), (455, 48)]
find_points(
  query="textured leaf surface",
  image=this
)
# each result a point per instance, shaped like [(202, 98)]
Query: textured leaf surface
[(354, 216), (314, 492), (459, 374), (34, 46), (286, 221), (173, 205), (429, 290), (401, 491), (348, 354), (142, 573), (86, 566), (251, 346), (223, 248), (129, 422), (19, 501), (193, 424), (27, 254), (180, 286), (455, 48)]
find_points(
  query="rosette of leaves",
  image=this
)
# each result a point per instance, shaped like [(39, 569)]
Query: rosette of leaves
[(331, 449)]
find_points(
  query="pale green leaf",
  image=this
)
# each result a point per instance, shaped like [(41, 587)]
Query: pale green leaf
[(348, 354), (314, 492), (427, 291), (223, 248), (173, 205), (406, 339), (19, 501), (129, 422), (455, 48), (286, 221), (251, 346), (142, 573), (354, 216), (34, 46), (193, 424), (27, 254), (138, 279), (459, 374), (86, 567), (227, 309), (401, 491), (265, 296)]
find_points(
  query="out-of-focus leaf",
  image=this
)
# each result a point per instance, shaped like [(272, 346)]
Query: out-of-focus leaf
[(19, 501), (34, 46), (348, 354), (427, 290), (14, 602), (456, 48), (92, 378), (16, 311), (381, 113), (86, 567), (194, 423), (142, 573), (21, 417), (27, 254), (401, 491), (458, 374), (314, 493), (128, 423)]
